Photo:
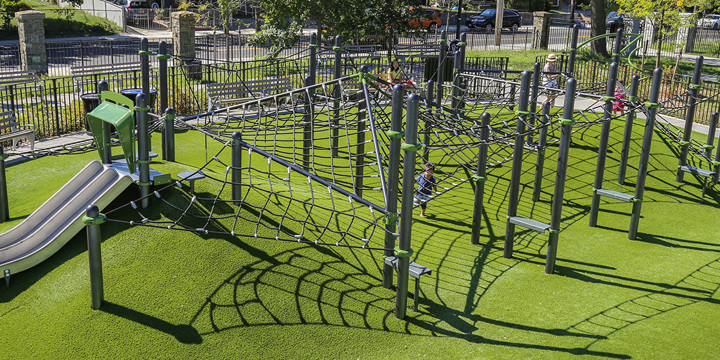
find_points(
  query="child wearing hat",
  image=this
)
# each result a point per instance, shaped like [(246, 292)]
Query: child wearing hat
[(550, 80)]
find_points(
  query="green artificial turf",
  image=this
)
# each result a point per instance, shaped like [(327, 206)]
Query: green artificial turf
[(175, 294)]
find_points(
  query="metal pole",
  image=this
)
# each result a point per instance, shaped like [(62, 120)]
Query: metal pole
[(716, 163), (480, 178), (542, 144), (307, 125), (92, 219), (556, 213), (689, 115), (517, 164), (441, 66), (145, 75), (459, 18), (603, 146), (618, 45), (143, 149), (360, 154), (428, 126), (162, 74), (710, 144), (456, 93), (403, 250), (335, 121), (236, 166), (313, 57), (395, 135), (573, 50), (533, 98), (169, 135), (106, 131), (627, 135), (4, 205), (645, 153)]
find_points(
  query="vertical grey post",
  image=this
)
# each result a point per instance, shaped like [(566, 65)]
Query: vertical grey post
[(556, 212), (689, 115), (169, 135), (534, 97), (542, 144), (645, 153), (716, 163), (107, 157), (395, 136), (145, 75), (710, 145), (143, 149), (307, 125), (236, 166), (517, 163), (92, 219), (627, 134), (459, 64), (603, 146), (573, 51), (618, 45), (162, 75), (360, 153), (313, 57), (480, 178), (403, 250), (4, 206), (441, 67), (335, 121), (428, 127)]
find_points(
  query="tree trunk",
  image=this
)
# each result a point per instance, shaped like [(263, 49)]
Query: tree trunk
[(660, 33), (598, 27)]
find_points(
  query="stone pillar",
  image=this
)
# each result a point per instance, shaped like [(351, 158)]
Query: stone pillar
[(541, 30), (31, 31), (183, 33)]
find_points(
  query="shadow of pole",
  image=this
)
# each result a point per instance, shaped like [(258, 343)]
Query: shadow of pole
[(185, 334)]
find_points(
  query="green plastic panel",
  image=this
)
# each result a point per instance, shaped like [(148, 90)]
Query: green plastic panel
[(124, 121)]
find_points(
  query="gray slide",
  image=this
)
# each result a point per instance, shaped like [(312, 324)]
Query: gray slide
[(59, 219)]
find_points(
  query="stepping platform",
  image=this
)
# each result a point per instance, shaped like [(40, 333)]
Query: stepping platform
[(150, 155), (697, 171), (191, 176), (615, 195), (416, 271), (529, 224), (156, 177)]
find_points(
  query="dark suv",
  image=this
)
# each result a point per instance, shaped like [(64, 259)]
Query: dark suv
[(614, 21), (486, 20)]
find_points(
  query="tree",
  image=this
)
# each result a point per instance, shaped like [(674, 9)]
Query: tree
[(662, 15), (597, 27), (8, 8), (349, 18)]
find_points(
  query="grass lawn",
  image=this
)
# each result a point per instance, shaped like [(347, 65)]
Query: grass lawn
[(176, 294), (58, 24)]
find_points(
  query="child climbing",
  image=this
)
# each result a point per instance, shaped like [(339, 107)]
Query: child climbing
[(426, 188), (619, 105)]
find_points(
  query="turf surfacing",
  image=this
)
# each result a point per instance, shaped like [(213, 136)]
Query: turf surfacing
[(174, 294)]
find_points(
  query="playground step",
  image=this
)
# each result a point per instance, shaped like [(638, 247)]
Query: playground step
[(697, 171), (615, 195), (529, 224)]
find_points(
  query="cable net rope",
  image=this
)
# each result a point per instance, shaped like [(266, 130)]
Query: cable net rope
[(276, 201)]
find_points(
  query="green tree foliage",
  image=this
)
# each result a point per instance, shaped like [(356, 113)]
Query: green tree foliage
[(350, 18), (8, 8), (662, 15)]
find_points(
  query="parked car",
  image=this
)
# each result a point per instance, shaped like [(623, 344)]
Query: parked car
[(138, 10), (711, 21), (431, 22), (614, 21), (486, 20)]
